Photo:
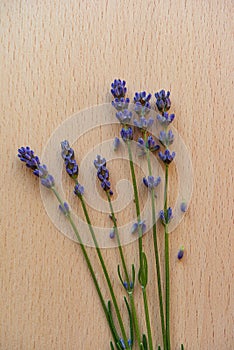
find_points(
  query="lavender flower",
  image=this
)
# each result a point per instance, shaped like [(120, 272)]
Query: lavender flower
[(72, 168), (144, 123), (120, 103), (116, 143), (183, 207), (180, 253), (126, 134), (112, 233), (103, 176), (79, 190), (163, 101), (64, 208), (167, 157), (165, 119), (142, 110), (118, 88), (166, 138), (70, 163), (99, 161), (122, 343), (142, 104), (151, 182), (67, 151), (124, 117), (136, 226), (27, 155), (47, 180), (165, 217), (149, 144), (142, 98), (125, 284)]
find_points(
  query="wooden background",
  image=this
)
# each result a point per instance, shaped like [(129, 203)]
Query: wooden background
[(59, 57)]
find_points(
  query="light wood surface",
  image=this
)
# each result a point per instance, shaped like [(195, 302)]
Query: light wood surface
[(59, 57)]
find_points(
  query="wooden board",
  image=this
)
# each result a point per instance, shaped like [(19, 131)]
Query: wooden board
[(59, 57)]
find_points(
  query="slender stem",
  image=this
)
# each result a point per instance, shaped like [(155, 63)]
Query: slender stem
[(156, 253), (167, 263), (104, 271), (118, 239), (137, 205), (147, 318), (131, 297), (87, 260), (134, 314)]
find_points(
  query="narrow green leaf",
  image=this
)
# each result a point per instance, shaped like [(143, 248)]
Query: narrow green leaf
[(130, 320), (144, 341)]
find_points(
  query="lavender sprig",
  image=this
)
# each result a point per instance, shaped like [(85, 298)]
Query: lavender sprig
[(163, 104), (127, 136), (103, 175), (27, 155), (103, 172)]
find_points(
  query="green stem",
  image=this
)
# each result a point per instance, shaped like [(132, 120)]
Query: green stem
[(147, 318), (135, 319), (104, 271), (167, 263), (118, 239), (87, 260), (136, 201), (137, 205), (156, 253), (131, 297)]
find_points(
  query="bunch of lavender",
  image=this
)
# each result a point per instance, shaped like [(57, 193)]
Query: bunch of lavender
[(27, 155), (148, 145)]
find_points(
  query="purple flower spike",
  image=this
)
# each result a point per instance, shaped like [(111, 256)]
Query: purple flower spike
[(165, 119), (120, 104), (142, 104), (99, 161), (144, 123), (124, 117), (48, 181), (67, 151), (79, 190), (64, 209), (118, 88), (67, 154), (166, 138), (167, 157), (103, 175), (180, 253), (142, 98), (163, 101), (72, 168), (126, 134), (165, 217), (136, 226), (151, 182), (27, 155), (151, 144)]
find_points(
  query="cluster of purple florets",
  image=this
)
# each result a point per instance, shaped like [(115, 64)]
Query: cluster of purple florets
[(103, 174), (142, 107), (26, 155), (71, 165)]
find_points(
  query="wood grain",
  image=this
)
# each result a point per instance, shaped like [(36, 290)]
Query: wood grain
[(58, 57)]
